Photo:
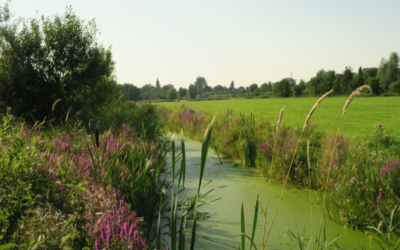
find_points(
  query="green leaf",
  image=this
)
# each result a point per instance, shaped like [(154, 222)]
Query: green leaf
[(66, 238), (254, 222), (242, 228), (31, 242), (70, 220), (7, 246)]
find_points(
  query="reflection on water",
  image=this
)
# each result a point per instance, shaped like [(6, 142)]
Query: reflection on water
[(221, 230)]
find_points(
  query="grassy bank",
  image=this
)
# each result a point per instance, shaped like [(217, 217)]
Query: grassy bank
[(364, 113), (362, 179), (68, 186)]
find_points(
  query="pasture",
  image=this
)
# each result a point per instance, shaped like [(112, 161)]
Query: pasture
[(358, 121)]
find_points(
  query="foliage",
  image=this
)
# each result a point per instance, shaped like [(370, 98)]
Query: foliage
[(375, 85), (200, 84), (172, 94), (282, 88), (253, 87), (192, 91), (388, 71), (182, 92), (137, 116), (131, 92), (53, 58), (395, 86)]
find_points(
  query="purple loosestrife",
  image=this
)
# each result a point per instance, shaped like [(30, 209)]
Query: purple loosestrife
[(390, 166), (379, 198), (117, 227)]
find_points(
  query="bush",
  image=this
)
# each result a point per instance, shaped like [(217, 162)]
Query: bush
[(116, 113), (53, 60), (395, 87)]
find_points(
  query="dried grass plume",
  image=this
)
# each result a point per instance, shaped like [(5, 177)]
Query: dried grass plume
[(280, 119), (55, 103), (314, 108), (355, 92)]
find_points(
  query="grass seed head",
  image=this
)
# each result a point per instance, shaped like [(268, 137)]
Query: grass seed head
[(280, 119), (355, 92), (314, 108), (55, 103)]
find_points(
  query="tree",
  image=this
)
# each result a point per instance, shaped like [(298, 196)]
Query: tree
[(167, 87), (345, 81), (207, 89), (51, 58), (158, 86), (172, 94), (357, 81), (298, 89), (257, 92), (219, 88), (182, 92), (375, 85), (147, 91), (282, 88), (395, 86), (200, 83), (253, 87), (131, 92), (231, 87), (370, 72), (388, 71), (192, 91)]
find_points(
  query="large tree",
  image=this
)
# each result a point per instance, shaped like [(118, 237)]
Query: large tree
[(192, 91), (253, 87), (172, 94), (357, 81), (200, 83), (231, 87), (53, 58), (388, 71), (282, 88), (131, 92), (182, 92)]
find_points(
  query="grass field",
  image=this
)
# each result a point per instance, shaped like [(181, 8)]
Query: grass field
[(360, 116)]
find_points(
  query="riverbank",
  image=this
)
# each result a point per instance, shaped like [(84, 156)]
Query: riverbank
[(71, 186)]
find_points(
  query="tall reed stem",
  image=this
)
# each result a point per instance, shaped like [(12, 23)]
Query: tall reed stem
[(348, 101), (294, 155), (270, 167), (309, 181)]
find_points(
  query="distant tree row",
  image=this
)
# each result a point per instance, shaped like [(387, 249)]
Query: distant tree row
[(384, 79)]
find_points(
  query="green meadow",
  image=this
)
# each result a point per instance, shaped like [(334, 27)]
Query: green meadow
[(360, 117)]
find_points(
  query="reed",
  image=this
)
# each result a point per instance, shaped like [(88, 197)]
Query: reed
[(309, 180), (272, 163), (290, 167), (55, 104), (314, 108), (348, 101)]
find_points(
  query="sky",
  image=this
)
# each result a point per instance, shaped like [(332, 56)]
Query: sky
[(242, 41)]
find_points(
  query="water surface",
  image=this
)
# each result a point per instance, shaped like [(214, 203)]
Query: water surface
[(221, 230)]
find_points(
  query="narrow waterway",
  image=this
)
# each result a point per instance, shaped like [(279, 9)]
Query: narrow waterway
[(221, 230)]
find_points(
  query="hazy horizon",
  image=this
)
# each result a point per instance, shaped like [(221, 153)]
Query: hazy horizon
[(224, 41)]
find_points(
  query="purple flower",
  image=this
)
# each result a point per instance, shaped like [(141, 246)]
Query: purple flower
[(379, 198)]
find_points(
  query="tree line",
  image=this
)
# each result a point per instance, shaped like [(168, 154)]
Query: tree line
[(384, 79)]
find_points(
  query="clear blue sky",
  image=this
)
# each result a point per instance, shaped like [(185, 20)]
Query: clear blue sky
[(244, 41)]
